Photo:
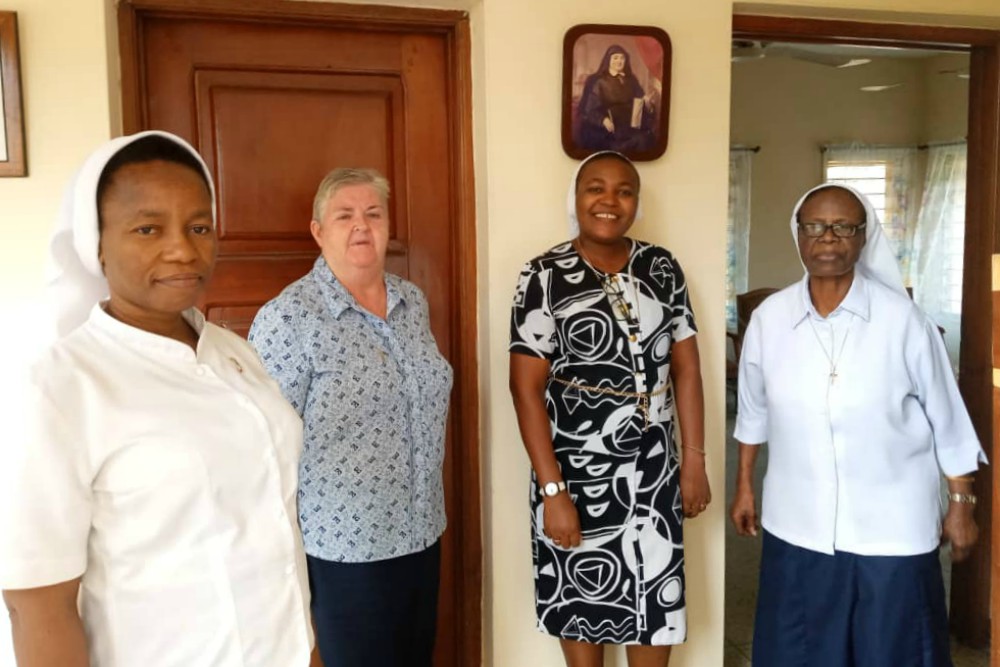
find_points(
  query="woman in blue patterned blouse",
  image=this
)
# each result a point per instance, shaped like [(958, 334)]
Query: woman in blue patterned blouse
[(352, 349)]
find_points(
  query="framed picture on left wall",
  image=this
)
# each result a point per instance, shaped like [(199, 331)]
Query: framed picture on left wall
[(13, 161)]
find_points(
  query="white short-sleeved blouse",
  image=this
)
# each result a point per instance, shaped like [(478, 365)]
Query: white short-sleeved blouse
[(167, 480), (853, 463)]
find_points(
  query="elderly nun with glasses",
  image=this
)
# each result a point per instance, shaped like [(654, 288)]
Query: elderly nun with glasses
[(849, 384), (148, 504)]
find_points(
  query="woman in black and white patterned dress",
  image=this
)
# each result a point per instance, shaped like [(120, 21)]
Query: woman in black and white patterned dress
[(603, 365)]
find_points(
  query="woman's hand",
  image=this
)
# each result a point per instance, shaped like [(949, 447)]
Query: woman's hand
[(960, 529), (695, 492), (743, 511), (561, 521)]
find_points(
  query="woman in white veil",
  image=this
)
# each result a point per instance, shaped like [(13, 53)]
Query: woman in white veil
[(148, 512), (849, 384)]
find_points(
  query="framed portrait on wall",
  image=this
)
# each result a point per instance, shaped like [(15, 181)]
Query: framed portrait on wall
[(616, 90), (12, 160)]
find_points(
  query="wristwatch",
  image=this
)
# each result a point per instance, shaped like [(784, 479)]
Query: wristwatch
[(553, 489)]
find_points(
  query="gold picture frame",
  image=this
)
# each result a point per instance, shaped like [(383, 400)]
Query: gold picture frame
[(13, 161)]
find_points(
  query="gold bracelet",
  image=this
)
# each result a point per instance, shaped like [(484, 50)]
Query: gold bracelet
[(962, 478), (965, 498), (700, 451)]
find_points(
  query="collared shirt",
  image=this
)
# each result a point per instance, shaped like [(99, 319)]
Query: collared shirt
[(373, 394), (166, 478), (859, 411)]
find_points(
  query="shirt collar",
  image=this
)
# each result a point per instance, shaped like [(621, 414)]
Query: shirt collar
[(146, 341), (338, 299), (856, 302)]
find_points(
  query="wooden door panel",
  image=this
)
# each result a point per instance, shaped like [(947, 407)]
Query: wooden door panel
[(273, 106), (343, 119)]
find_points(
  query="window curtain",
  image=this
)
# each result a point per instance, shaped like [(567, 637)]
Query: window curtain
[(939, 242), (737, 229), (898, 203)]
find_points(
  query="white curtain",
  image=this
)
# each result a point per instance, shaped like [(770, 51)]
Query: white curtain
[(939, 242), (889, 176), (737, 229)]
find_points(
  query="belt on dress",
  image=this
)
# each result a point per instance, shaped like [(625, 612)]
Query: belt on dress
[(642, 396)]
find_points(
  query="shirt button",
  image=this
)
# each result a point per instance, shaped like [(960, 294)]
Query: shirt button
[(200, 370), (290, 569)]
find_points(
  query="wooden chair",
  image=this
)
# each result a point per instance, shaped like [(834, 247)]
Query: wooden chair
[(746, 303)]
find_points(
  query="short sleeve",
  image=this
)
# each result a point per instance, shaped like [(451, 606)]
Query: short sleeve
[(532, 326), (274, 336), (751, 415), (45, 495), (958, 449), (682, 319)]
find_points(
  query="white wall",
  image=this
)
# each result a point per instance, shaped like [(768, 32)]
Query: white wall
[(946, 98), (790, 108), (521, 175), (65, 88)]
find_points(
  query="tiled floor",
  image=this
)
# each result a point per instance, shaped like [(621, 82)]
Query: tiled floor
[(742, 565)]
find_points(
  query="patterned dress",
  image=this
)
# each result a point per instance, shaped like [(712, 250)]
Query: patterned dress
[(625, 583)]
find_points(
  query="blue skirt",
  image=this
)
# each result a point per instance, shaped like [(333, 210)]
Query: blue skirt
[(846, 610)]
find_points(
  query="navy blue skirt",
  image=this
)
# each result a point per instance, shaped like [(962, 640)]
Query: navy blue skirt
[(378, 614), (846, 610)]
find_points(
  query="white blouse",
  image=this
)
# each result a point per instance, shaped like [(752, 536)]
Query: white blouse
[(167, 480), (860, 412)]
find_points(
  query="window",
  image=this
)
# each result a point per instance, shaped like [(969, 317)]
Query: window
[(868, 178), (888, 176), (953, 237), (928, 232), (940, 241)]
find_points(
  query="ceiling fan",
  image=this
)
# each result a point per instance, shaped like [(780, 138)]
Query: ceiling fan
[(961, 73), (745, 49)]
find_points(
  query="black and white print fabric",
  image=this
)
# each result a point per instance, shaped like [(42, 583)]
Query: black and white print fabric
[(625, 583)]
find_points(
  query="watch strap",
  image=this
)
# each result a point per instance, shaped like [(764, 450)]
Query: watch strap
[(967, 498)]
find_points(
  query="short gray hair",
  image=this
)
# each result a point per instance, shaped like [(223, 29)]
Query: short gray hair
[(344, 176)]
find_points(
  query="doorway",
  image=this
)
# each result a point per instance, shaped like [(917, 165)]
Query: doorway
[(928, 59), (274, 94)]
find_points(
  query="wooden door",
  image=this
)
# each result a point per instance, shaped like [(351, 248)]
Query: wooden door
[(274, 95)]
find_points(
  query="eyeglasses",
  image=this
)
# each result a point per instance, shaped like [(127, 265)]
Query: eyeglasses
[(621, 308), (814, 230)]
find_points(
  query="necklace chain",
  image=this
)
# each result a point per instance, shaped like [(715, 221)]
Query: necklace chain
[(833, 361), (603, 279)]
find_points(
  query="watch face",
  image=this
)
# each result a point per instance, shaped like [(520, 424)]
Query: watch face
[(551, 489)]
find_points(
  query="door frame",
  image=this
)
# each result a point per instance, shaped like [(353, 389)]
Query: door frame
[(466, 516), (971, 599)]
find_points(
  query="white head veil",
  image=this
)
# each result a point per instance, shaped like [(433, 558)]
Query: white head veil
[(574, 223), (75, 277), (877, 261)]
